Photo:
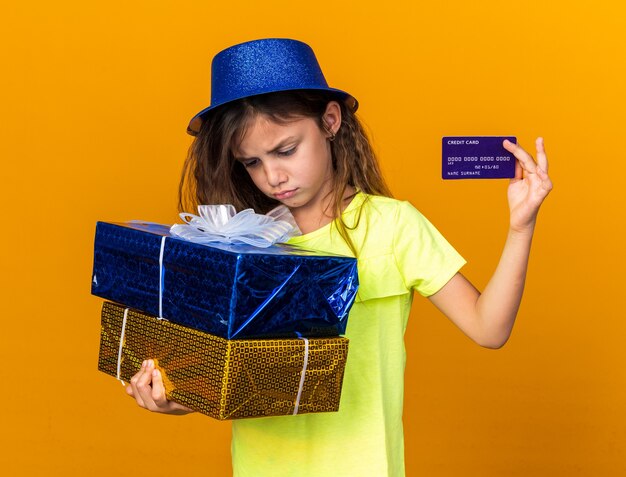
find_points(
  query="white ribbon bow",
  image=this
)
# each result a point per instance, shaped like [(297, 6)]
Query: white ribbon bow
[(221, 223)]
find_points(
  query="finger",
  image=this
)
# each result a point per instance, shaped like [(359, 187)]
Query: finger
[(176, 408), (160, 397), (143, 385), (525, 159), (158, 389), (542, 159), (546, 183), (518, 171), (134, 382)]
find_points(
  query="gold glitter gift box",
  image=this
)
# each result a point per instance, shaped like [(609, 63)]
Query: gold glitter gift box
[(225, 379)]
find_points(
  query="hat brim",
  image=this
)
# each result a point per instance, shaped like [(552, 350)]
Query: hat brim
[(196, 122)]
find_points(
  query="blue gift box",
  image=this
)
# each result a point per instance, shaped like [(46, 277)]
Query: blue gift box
[(233, 291)]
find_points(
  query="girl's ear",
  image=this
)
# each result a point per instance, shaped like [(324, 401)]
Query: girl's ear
[(332, 118)]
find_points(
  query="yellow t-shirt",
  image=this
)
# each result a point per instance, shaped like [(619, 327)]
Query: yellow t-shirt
[(398, 251)]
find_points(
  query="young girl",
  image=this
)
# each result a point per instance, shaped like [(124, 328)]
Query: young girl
[(275, 133)]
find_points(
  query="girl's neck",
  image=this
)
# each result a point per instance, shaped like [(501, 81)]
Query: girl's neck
[(311, 220)]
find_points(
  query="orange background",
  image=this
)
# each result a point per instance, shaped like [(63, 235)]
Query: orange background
[(95, 100)]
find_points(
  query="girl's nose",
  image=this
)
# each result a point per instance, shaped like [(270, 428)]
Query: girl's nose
[(275, 175)]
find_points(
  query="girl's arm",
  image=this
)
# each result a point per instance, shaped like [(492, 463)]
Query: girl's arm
[(147, 388), (488, 318)]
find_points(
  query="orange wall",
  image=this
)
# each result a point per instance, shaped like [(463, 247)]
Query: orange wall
[(95, 100)]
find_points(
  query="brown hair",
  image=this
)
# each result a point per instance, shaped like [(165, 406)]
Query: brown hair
[(211, 175)]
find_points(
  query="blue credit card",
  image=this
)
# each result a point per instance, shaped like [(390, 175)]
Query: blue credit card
[(476, 157)]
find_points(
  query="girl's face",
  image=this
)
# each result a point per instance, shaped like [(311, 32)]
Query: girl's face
[(292, 162)]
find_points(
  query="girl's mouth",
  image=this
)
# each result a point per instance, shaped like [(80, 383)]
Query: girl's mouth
[(285, 194)]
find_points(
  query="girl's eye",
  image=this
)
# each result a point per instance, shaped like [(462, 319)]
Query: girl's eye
[(250, 163), (288, 152)]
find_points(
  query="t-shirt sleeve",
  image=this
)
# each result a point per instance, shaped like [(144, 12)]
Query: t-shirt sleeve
[(424, 257)]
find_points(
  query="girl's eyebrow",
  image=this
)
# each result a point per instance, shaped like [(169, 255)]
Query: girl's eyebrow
[(274, 150)]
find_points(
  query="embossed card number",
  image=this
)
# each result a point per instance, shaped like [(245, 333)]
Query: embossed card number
[(476, 157)]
